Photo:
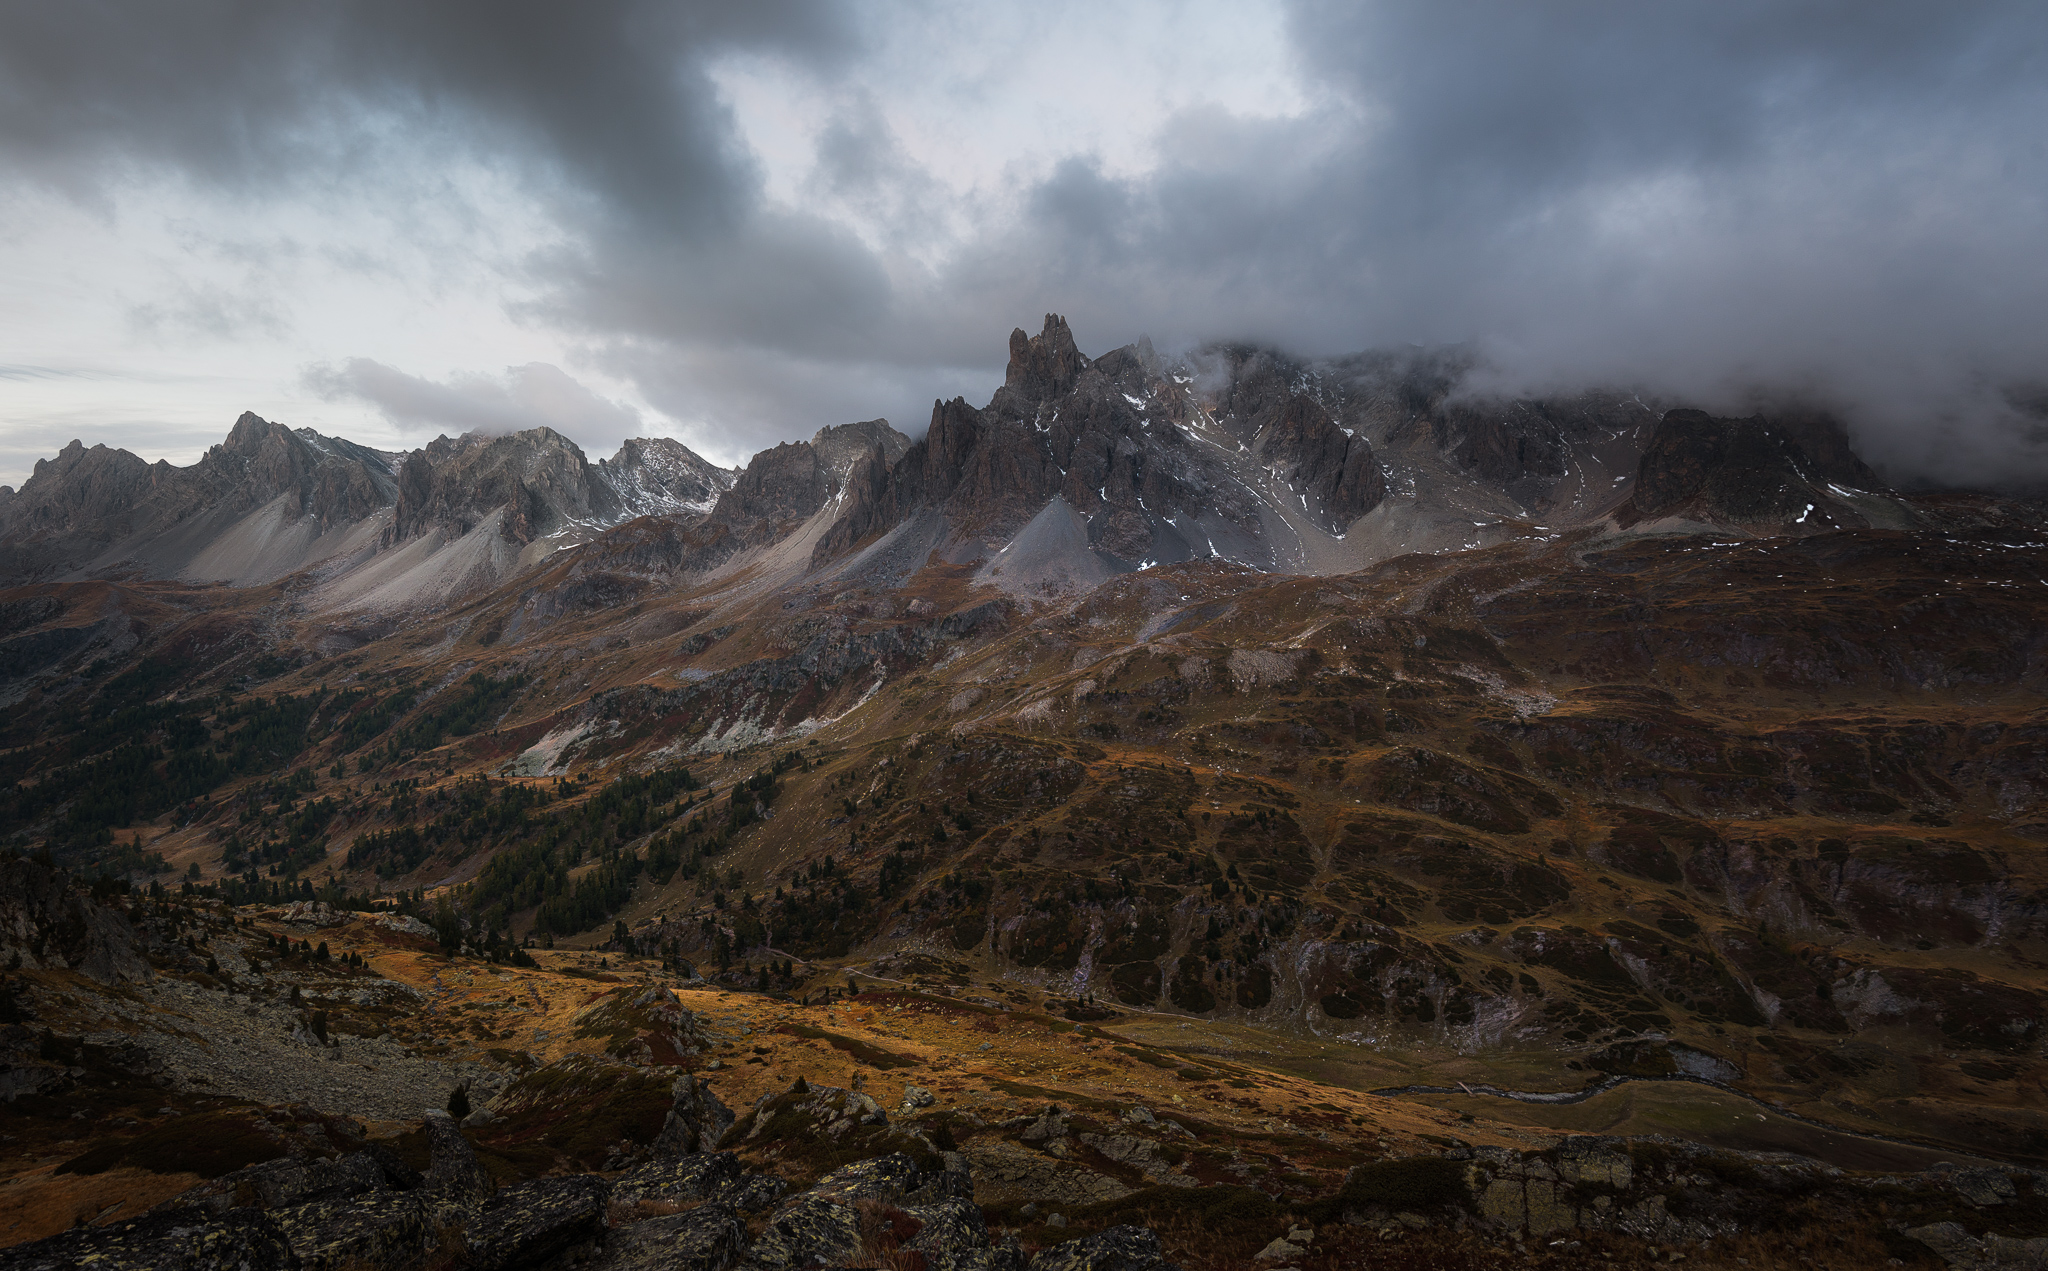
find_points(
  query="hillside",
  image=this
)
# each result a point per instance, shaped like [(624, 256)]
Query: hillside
[(1344, 763)]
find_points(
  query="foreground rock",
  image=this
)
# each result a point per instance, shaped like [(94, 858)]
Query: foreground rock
[(241, 1240), (367, 1210)]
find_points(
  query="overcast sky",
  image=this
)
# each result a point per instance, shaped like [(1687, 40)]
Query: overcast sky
[(732, 223)]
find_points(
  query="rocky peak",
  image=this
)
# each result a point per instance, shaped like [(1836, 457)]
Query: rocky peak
[(94, 489), (783, 484), (662, 476), (335, 481), (538, 479), (1333, 471), (1044, 365), (841, 446), (1741, 472)]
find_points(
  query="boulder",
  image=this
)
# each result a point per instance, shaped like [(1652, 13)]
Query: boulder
[(1990, 1252), (696, 1121), (709, 1238), (1982, 1187), (676, 1181), (383, 1230), (453, 1172), (288, 1180), (1117, 1249), (823, 1226), (170, 1240), (529, 1223), (1051, 1124), (810, 1231), (752, 1193), (953, 1236)]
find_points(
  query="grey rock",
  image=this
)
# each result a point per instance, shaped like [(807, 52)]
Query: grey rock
[(696, 1120), (531, 1222), (1051, 1124), (1982, 1187), (915, 1097), (949, 1227), (687, 1178), (454, 1176), (173, 1240), (387, 1229), (288, 1180), (1117, 1249), (993, 1258), (822, 1227), (752, 1193), (1966, 1252), (45, 923), (810, 1232), (894, 1178), (709, 1238)]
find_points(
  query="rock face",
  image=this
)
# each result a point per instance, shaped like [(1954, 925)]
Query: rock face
[(1076, 469), (696, 1122), (533, 482), (1750, 473), (531, 1223), (1114, 444), (106, 509), (239, 1240), (657, 476), (710, 1238), (45, 923), (1118, 1249), (272, 500)]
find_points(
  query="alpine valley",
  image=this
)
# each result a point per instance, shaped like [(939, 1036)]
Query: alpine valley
[(1225, 811)]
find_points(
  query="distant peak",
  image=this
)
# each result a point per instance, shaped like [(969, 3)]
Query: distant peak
[(1047, 364)]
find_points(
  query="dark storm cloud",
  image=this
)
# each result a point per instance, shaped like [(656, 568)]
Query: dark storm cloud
[(1840, 201), (608, 96)]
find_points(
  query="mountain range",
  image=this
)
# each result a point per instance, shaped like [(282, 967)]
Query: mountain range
[(1542, 745), (1076, 470)]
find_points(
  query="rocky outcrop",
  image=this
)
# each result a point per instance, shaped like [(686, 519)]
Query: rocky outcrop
[(1044, 366), (241, 1239), (659, 476), (1117, 1249), (824, 1226), (45, 922), (696, 1122), (709, 1238), (1751, 473), (107, 509), (534, 482), (454, 1175), (300, 1180), (383, 1229), (531, 1223)]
